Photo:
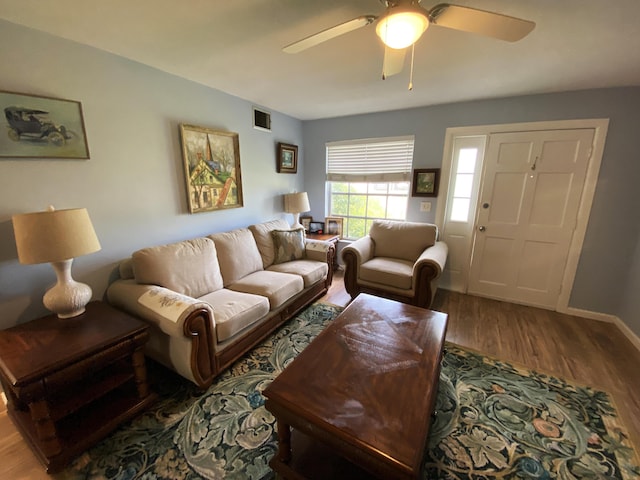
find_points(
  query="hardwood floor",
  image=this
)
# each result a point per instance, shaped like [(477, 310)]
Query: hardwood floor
[(585, 351)]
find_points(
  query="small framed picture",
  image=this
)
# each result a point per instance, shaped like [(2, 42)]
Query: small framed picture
[(425, 182), (333, 226), (316, 227), (287, 161), (306, 220)]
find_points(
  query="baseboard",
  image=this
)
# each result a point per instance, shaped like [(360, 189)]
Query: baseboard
[(604, 317)]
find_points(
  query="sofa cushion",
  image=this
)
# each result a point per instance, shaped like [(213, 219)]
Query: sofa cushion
[(388, 271), (189, 267), (262, 235), (405, 240), (238, 254), (234, 311), (288, 244), (276, 286), (311, 271)]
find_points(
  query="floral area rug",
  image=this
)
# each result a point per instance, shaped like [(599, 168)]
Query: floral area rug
[(495, 421)]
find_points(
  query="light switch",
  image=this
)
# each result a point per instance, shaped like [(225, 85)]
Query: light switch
[(425, 206)]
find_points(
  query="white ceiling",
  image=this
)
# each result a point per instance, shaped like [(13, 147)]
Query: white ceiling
[(235, 46)]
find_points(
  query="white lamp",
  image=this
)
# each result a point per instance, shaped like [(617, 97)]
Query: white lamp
[(58, 236), (296, 203), (403, 25)]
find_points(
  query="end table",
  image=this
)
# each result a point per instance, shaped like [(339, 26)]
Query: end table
[(69, 382)]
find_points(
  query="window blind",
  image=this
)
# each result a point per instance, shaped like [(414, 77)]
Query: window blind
[(372, 160)]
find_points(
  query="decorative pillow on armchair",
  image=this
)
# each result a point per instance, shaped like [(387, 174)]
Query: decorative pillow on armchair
[(289, 245)]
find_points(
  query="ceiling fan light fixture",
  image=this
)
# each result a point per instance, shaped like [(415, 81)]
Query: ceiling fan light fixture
[(401, 29)]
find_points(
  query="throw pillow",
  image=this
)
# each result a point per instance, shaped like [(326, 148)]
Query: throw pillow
[(289, 245)]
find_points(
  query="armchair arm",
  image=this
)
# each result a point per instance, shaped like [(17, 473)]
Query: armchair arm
[(353, 256), (426, 272), (183, 332)]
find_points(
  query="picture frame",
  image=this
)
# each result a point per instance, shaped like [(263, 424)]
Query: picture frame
[(211, 168), (287, 158), (316, 227), (425, 182), (306, 220), (333, 226), (42, 127)]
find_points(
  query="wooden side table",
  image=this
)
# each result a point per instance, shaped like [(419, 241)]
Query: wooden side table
[(326, 237), (69, 382)]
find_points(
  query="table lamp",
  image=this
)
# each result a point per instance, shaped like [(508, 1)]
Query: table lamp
[(58, 236), (296, 203)]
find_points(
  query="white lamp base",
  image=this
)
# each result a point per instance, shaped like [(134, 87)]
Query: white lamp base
[(296, 222), (67, 298)]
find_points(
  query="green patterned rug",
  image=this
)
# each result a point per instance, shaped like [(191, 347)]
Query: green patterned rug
[(495, 421)]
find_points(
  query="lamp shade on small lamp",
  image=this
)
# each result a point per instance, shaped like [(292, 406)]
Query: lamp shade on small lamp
[(58, 236), (296, 203)]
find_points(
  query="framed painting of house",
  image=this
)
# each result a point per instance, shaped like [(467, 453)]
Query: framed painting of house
[(42, 127), (211, 168)]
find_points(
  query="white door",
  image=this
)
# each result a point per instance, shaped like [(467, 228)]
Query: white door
[(527, 210)]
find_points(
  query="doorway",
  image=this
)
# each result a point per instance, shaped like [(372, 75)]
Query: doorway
[(532, 191)]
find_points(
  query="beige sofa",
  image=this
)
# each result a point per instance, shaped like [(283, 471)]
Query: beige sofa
[(398, 260), (209, 300)]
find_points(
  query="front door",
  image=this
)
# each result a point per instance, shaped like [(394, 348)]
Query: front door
[(527, 210)]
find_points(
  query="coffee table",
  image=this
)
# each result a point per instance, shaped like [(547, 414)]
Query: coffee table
[(361, 395)]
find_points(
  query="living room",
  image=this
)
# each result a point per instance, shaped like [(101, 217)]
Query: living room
[(133, 183)]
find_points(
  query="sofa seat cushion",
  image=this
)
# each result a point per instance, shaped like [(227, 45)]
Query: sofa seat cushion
[(276, 286), (388, 271), (405, 240), (190, 267), (311, 271), (234, 311), (238, 254), (262, 235)]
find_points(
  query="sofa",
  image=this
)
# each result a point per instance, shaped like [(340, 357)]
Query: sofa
[(208, 300), (402, 261)]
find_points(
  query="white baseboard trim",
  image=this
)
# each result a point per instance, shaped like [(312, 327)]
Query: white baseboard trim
[(604, 317)]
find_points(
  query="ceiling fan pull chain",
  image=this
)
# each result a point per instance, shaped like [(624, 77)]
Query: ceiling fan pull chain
[(413, 49)]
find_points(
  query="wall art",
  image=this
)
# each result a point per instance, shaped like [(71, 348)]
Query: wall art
[(211, 168)]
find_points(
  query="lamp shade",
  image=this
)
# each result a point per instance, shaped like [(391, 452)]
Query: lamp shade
[(402, 26), (54, 235), (296, 202)]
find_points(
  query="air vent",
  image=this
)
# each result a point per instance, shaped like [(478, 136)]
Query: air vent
[(261, 120)]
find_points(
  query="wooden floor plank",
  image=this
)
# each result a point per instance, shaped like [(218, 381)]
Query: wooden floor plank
[(587, 352)]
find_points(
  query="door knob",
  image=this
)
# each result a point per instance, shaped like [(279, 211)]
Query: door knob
[(482, 228), (485, 205)]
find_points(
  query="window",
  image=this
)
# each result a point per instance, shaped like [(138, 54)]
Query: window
[(368, 180)]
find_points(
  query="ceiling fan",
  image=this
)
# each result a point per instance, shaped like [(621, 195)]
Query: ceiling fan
[(404, 21)]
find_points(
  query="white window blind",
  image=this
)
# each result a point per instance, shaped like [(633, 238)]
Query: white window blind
[(372, 160)]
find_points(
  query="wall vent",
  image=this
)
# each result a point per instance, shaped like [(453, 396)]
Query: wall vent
[(261, 120)]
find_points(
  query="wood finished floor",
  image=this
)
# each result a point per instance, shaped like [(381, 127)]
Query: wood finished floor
[(585, 351)]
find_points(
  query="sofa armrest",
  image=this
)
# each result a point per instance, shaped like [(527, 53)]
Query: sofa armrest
[(322, 252), (434, 258), (181, 324), (354, 255)]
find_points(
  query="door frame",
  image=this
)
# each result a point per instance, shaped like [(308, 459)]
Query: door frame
[(600, 127)]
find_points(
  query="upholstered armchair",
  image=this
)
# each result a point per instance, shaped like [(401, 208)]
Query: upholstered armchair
[(397, 260)]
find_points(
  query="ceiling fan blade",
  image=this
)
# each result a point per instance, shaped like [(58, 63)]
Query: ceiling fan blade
[(496, 25), (393, 62), (329, 33)]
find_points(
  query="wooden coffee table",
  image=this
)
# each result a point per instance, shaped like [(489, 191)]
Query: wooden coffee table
[(361, 395)]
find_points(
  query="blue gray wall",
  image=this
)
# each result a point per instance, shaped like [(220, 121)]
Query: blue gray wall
[(607, 277), (133, 185)]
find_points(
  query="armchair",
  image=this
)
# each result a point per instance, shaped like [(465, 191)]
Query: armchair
[(397, 260)]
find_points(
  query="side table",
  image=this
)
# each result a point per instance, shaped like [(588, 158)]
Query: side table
[(69, 382), (329, 238)]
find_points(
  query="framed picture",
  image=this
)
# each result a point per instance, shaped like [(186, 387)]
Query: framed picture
[(42, 127), (425, 182), (306, 220), (287, 158), (333, 226), (316, 227), (211, 168)]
